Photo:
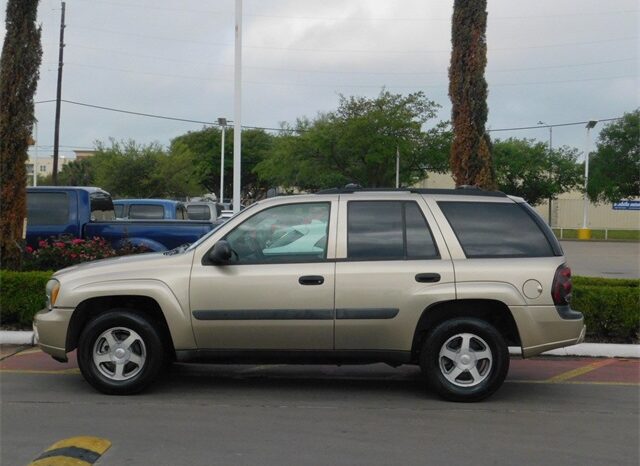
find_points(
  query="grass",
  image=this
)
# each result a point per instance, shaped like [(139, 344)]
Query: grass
[(625, 235)]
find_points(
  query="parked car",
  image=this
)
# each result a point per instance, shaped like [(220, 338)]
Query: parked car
[(89, 212), (443, 279), (150, 209), (202, 210)]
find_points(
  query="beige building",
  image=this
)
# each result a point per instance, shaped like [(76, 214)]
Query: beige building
[(43, 166), (566, 211)]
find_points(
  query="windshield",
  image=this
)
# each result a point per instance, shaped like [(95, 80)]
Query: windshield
[(215, 228)]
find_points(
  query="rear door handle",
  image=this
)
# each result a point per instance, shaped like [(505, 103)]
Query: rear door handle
[(311, 280), (428, 277)]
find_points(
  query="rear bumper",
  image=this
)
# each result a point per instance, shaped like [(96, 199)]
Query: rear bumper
[(51, 327), (543, 328)]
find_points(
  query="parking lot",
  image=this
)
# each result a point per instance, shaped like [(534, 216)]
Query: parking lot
[(551, 411), (603, 259)]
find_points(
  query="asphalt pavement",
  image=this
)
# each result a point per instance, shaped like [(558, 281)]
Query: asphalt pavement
[(550, 411), (608, 259)]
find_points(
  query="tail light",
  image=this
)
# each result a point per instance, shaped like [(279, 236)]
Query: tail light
[(561, 288)]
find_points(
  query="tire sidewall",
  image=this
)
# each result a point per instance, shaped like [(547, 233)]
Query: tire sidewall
[(128, 319), (430, 355)]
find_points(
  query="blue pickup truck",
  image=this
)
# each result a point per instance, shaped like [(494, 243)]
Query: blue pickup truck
[(83, 212)]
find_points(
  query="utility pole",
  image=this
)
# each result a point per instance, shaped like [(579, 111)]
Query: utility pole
[(222, 122), (56, 134), (237, 110), (397, 166)]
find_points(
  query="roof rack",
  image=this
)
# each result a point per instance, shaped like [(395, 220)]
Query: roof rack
[(460, 191)]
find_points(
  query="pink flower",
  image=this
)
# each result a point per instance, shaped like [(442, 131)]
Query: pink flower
[(73, 256), (59, 244), (29, 249), (42, 243), (77, 241)]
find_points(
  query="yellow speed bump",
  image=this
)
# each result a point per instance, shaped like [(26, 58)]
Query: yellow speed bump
[(74, 451)]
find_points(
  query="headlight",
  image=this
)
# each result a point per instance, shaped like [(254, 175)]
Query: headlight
[(52, 290)]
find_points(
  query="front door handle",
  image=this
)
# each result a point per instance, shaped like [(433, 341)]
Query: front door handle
[(428, 277), (311, 280)]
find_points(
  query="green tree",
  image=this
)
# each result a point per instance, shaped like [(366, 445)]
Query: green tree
[(128, 169), (204, 147), (357, 143), (471, 162), (77, 173), (615, 166), (526, 168), (19, 71)]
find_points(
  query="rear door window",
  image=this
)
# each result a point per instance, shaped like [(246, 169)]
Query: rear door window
[(101, 207), (490, 229), (388, 230)]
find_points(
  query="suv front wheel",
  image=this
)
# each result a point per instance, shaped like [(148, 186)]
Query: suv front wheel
[(465, 359), (120, 352)]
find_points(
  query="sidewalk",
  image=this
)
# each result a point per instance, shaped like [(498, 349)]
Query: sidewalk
[(594, 350)]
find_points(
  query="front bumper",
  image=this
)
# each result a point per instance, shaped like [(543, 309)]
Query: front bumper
[(543, 328), (50, 328)]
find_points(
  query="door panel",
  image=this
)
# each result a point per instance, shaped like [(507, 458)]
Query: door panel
[(379, 300), (262, 306), (277, 290)]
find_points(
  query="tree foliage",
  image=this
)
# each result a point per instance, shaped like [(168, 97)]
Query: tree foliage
[(471, 162), (615, 166), (526, 168), (128, 169), (357, 143), (19, 71), (204, 147)]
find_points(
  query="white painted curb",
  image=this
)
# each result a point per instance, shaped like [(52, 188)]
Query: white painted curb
[(8, 337), (594, 350)]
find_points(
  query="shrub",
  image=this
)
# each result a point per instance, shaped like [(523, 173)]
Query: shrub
[(22, 296), (59, 253), (611, 308)]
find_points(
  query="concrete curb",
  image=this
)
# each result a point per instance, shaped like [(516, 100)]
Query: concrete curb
[(11, 337), (594, 350)]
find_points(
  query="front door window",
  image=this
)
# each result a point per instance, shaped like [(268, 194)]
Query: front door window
[(286, 233)]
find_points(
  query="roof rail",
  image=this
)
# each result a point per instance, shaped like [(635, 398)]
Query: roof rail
[(460, 191)]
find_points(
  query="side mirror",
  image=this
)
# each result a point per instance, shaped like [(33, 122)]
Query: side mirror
[(221, 253)]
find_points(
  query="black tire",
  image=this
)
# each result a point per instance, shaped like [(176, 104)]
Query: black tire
[(141, 362), (490, 371)]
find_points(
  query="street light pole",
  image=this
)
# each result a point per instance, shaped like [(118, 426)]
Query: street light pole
[(223, 123), (585, 232), (237, 109), (397, 167)]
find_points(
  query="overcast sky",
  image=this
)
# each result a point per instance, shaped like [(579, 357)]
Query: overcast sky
[(556, 61)]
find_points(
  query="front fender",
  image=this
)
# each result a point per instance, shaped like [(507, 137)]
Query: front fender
[(175, 313)]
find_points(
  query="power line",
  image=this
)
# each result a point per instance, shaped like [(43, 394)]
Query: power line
[(368, 73), (164, 117), (312, 49)]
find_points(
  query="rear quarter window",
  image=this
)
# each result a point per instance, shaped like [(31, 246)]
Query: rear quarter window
[(199, 212), (490, 229)]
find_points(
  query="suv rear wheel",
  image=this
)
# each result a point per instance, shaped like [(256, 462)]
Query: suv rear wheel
[(465, 359), (120, 352)]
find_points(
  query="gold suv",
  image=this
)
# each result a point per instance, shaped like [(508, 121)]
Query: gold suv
[(446, 279)]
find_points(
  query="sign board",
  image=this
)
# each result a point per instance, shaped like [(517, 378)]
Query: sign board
[(627, 204)]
